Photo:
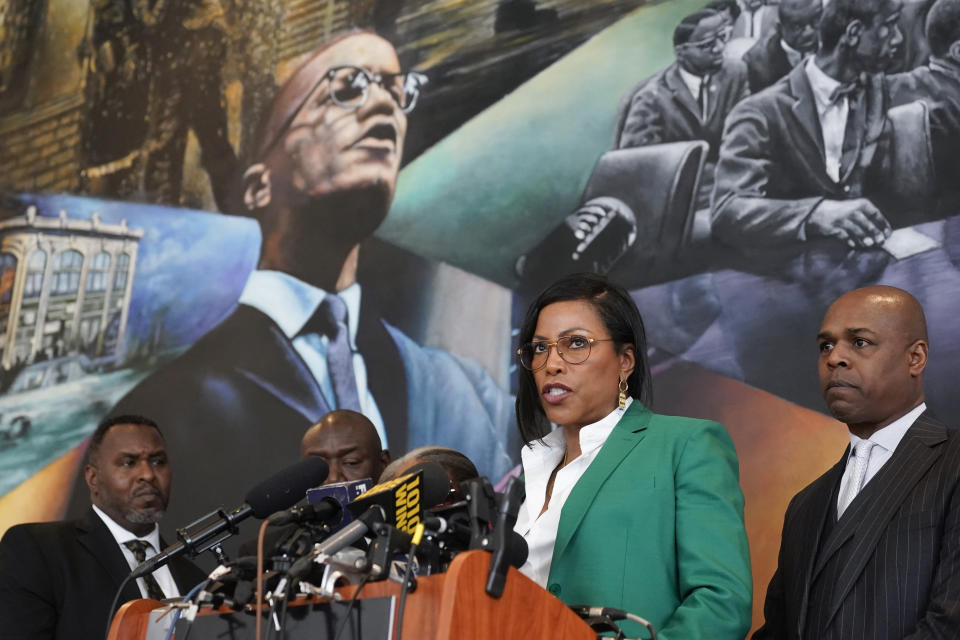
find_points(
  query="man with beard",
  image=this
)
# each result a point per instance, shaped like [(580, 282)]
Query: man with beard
[(871, 548), (803, 159), (58, 579), (690, 99), (301, 343), (783, 48)]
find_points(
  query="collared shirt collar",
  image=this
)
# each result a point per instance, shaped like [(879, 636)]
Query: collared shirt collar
[(794, 56), (822, 85), (890, 436), (946, 65), (121, 535), (592, 437), (692, 81), (290, 302)]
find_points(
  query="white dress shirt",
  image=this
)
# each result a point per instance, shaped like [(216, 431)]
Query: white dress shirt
[(793, 56), (539, 461), (693, 82), (162, 575), (885, 442), (752, 20), (290, 303), (832, 114)]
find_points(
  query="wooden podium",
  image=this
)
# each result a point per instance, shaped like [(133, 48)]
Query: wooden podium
[(447, 606)]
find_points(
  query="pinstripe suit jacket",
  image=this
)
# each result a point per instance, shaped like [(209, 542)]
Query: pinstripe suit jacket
[(898, 547)]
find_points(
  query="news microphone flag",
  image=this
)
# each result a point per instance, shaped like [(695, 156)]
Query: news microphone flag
[(342, 492), (404, 499)]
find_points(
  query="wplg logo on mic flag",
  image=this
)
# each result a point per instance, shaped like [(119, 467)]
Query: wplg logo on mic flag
[(342, 492), (400, 499)]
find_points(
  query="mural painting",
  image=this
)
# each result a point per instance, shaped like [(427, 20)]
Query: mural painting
[(234, 217)]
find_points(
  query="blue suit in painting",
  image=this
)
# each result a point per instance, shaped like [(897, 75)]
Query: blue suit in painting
[(235, 405)]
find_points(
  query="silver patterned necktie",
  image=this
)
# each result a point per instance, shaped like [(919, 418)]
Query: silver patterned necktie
[(857, 473)]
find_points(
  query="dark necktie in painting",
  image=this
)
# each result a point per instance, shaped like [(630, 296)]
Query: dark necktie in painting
[(236, 217)]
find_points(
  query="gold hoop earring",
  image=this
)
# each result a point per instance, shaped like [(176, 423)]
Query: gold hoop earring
[(622, 386)]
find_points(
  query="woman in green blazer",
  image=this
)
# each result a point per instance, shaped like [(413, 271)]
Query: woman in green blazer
[(624, 508)]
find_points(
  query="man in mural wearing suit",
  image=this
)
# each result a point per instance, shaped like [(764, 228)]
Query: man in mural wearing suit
[(690, 99), (756, 19), (58, 579), (802, 159), (785, 46), (301, 343), (871, 549), (937, 84)]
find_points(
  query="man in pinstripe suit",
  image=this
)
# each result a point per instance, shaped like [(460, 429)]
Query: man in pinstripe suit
[(871, 549)]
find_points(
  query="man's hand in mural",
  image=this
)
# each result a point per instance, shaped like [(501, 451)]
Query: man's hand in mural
[(857, 222), (592, 238)]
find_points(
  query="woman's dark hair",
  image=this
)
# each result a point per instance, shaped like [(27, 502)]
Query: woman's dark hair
[(622, 320)]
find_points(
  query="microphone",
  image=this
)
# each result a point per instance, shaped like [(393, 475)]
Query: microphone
[(327, 510), (399, 502), (280, 491), (588, 613), (506, 549), (340, 540), (344, 493), (404, 499)]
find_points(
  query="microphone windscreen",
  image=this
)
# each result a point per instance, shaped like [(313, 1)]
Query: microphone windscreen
[(286, 488), (436, 483), (517, 549)]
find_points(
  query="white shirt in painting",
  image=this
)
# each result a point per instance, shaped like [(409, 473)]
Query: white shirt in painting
[(290, 303)]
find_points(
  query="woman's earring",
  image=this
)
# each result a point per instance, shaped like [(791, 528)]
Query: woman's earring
[(622, 385)]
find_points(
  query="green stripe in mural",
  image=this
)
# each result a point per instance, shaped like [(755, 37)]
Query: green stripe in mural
[(496, 186)]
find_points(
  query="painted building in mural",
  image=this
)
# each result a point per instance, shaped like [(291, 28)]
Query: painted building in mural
[(66, 287), (539, 120)]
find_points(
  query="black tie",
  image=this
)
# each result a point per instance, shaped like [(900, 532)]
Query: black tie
[(139, 550), (330, 319), (703, 99)]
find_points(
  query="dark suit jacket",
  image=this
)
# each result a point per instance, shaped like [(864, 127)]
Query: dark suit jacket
[(662, 109), (766, 62), (772, 173), (900, 544), (938, 85), (242, 395), (768, 22), (58, 579)]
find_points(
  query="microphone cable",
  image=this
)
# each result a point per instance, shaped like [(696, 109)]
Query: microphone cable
[(407, 573), (177, 611), (259, 596), (353, 601), (586, 611), (113, 605)]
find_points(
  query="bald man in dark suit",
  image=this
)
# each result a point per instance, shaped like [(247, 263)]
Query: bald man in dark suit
[(871, 549)]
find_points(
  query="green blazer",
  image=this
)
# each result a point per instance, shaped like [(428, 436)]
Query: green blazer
[(655, 527)]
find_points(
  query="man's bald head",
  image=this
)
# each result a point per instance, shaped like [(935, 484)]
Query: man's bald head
[(873, 350), (349, 443), (312, 147)]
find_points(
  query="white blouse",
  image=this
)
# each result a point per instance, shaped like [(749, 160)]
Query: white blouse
[(539, 461)]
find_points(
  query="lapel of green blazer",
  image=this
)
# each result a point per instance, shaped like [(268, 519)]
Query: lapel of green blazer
[(624, 437)]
